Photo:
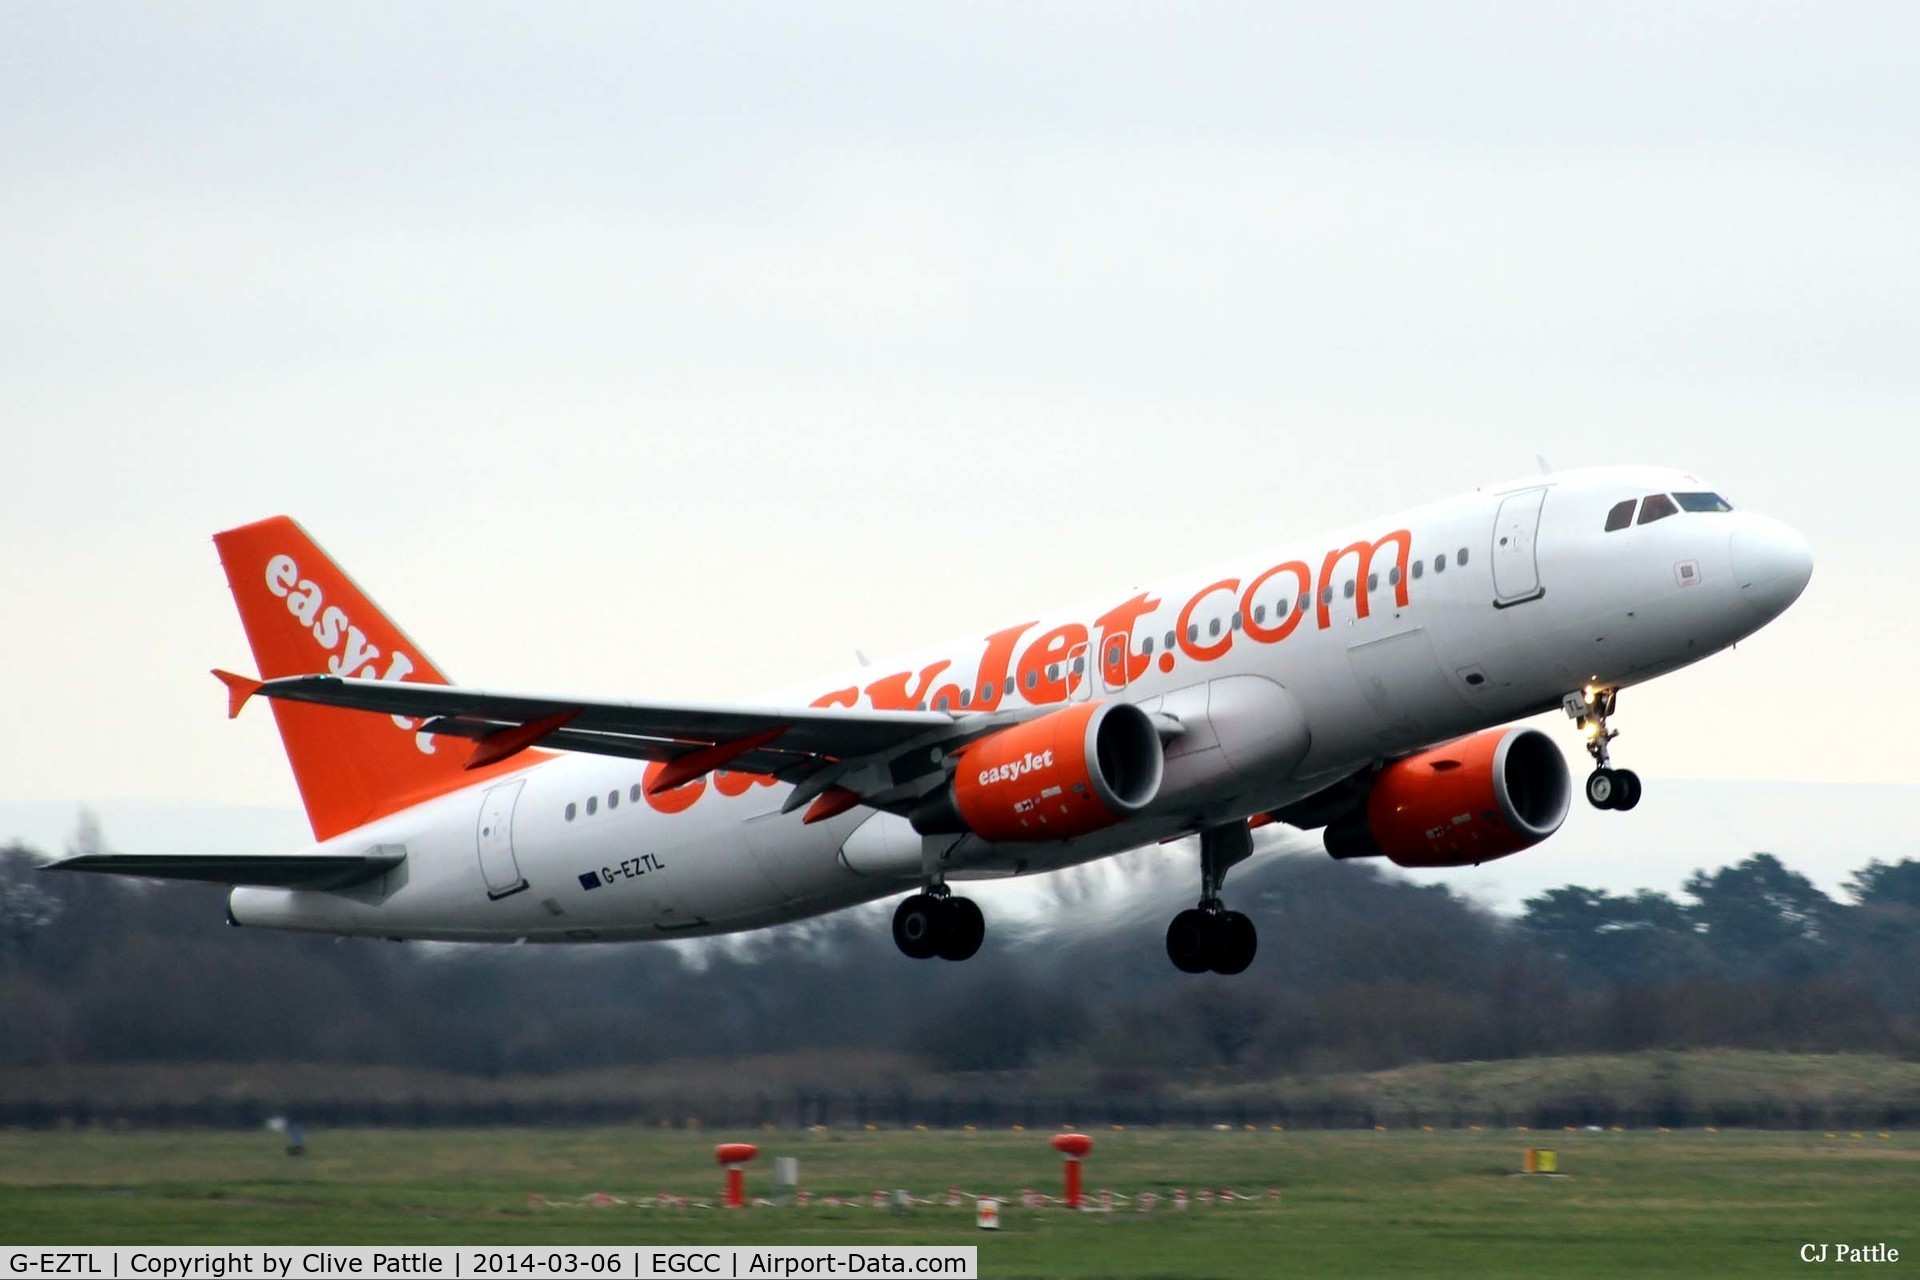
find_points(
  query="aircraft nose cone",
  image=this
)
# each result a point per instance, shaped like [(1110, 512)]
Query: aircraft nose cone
[(1771, 564)]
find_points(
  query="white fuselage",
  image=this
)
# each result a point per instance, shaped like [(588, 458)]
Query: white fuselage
[(1416, 628)]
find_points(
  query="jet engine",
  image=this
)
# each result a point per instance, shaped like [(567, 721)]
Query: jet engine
[(1464, 802), (1062, 775)]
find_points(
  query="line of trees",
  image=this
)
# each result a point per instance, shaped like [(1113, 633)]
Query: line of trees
[(1358, 969)]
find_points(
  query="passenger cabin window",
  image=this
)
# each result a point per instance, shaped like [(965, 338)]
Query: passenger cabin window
[(1658, 506), (1702, 502), (1620, 515)]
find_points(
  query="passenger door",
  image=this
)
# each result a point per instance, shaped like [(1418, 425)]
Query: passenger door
[(1516, 568)]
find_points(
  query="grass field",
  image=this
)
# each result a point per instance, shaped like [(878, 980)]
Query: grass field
[(1398, 1202)]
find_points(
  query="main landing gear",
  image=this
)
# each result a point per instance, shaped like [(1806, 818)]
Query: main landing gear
[(1607, 787), (1209, 937), (936, 923)]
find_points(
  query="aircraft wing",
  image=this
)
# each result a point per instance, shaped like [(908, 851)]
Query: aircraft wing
[(288, 871), (814, 747)]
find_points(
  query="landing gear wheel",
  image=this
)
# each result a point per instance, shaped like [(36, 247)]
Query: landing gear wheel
[(1190, 941), (1235, 941), (962, 929), (1209, 937), (1603, 789), (1627, 789), (917, 925)]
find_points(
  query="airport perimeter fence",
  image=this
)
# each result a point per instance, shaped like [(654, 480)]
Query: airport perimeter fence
[(897, 1111)]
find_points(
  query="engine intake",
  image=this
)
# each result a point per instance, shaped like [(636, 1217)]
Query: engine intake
[(1464, 802), (1062, 775)]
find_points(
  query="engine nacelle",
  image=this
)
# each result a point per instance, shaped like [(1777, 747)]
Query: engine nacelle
[(1062, 775), (1467, 801)]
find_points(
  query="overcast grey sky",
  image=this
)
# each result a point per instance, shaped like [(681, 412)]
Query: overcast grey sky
[(674, 351)]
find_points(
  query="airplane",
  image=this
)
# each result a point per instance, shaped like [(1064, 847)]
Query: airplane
[(1363, 682)]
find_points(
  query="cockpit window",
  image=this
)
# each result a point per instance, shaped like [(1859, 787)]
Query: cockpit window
[(1702, 502), (1621, 515), (1658, 506)]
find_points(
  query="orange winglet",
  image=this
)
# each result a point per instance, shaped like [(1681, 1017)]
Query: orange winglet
[(832, 803), (498, 746), (239, 689), (698, 764)]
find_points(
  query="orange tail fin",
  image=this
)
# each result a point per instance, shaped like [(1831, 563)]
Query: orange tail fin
[(303, 614)]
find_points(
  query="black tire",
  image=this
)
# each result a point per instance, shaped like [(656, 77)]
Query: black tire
[(916, 926), (1190, 941), (1629, 789), (1236, 942), (1603, 789), (962, 931)]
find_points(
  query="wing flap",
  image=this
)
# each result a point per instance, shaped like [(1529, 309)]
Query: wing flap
[(761, 760), (279, 871), (819, 731)]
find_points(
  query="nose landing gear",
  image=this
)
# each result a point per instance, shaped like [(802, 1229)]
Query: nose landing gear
[(1209, 938), (1607, 787)]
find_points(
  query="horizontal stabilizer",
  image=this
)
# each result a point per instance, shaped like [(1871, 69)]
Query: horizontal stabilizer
[(280, 871)]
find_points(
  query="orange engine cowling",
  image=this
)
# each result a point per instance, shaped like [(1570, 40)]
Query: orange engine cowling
[(1062, 775), (1467, 801)]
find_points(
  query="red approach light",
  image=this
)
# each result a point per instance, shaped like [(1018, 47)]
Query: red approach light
[(732, 1156), (1074, 1146)]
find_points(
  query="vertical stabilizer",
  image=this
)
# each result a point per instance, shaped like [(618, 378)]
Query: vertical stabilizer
[(304, 615)]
